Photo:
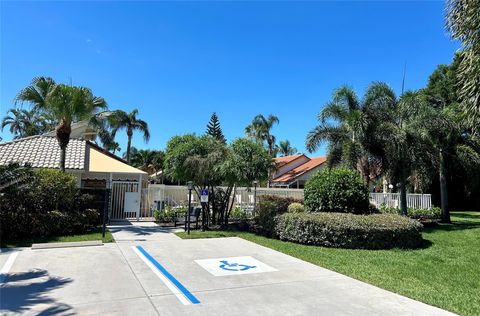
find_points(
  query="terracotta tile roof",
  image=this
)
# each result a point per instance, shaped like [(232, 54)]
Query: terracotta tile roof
[(281, 161), (43, 152), (298, 171)]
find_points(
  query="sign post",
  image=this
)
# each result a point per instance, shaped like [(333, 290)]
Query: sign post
[(204, 201)]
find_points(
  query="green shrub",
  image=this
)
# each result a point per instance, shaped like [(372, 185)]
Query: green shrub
[(239, 214), (265, 218), (336, 190), (46, 204), (377, 231), (281, 202), (296, 208), (416, 213)]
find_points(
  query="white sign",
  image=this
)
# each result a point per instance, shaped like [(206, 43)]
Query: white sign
[(234, 266), (204, 196)]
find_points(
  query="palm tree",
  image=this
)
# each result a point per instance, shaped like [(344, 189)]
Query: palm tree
[(23, 123), (64, 104), (403, 143), (346, 127), (285, 149), (114, 147), (129, 121), (260, 131)]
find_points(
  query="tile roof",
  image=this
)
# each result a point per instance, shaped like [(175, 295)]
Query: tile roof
[(43, 152), (291, 175), (281, 161)]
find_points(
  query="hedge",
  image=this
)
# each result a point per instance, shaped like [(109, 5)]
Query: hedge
[(417, 213), (47, 204), (376, 231)]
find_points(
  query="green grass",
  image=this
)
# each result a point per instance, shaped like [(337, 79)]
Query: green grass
[(444, 273), (95, 234)]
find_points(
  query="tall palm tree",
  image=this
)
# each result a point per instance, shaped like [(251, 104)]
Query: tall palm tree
[(260, 130), (403, 142), (345, 125), (285, 149), (64, 104), (129, 121)]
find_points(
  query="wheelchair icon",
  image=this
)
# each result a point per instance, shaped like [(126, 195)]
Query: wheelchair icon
[(234, 266)]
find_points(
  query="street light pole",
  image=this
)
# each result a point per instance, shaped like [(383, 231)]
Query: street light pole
[(255, 183), (190, 187)]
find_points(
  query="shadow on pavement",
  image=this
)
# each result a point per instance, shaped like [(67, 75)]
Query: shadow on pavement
[(141, 230), (23, 290)]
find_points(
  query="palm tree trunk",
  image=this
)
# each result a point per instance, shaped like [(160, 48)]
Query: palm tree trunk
[(63, 131), (403, 192), (443, 190), (129, 144)]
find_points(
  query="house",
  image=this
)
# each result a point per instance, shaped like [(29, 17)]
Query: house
[(92, 166), (293, 171)]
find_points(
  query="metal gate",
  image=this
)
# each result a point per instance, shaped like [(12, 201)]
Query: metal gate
[(125, 200)]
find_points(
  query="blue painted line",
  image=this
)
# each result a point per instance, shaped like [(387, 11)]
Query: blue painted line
[(167, 274)]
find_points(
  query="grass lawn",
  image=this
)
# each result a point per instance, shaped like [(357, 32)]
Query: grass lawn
[(445, 273), (95, 234)]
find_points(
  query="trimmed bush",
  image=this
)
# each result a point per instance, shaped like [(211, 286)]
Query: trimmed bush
[(281, 202), (416, 213), (296, 208), (336, 190), (377, 231), (265, 218)]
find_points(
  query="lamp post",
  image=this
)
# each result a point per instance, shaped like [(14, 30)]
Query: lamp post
[(255, 183), (190, 188)]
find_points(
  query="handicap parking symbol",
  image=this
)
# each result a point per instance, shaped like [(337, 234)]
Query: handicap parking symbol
[(234, 266)]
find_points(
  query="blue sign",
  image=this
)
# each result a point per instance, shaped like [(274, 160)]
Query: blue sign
[(234, 266), (204, 192)]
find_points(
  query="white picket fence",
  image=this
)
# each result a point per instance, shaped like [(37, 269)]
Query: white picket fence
[(175, 195), (393, 200)]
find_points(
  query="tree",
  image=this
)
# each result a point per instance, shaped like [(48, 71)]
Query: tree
[(23, 123), (64, 104), (463, 22), (457, 147), (214, 129), (209, 164), (285, 149), (401, 140), (150, 161), (260, 131), (346, 125), (128, 121)]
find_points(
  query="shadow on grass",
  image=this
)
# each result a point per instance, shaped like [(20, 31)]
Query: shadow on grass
[(26, 290), (461, 221)]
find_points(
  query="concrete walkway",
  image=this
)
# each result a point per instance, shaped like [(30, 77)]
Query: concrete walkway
[(117, 279)]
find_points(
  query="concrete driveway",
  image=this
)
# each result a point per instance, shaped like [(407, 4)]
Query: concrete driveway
[(150, 271)]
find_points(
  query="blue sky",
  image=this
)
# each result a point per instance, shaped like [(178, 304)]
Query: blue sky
[(177, 62)]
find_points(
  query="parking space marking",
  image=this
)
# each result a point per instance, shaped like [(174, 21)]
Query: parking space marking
[(234, 266), (169, 280), (7, 266)]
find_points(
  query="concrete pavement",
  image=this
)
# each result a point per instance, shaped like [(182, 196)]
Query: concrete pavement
[(115, 279)]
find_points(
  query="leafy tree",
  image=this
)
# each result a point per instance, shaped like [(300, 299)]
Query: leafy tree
[(346, 125), (285, 149), (23, 123), (128, 121), (64, 104), (214, 129), (463, 22), (210, 164)]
